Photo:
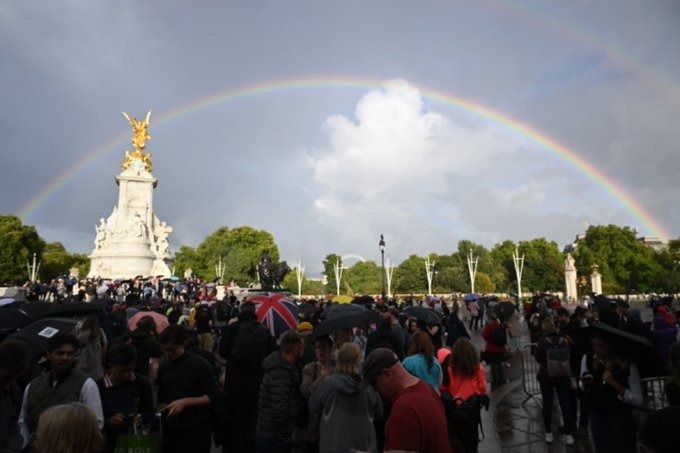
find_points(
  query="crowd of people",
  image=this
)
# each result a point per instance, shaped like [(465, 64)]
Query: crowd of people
[(194, 372)]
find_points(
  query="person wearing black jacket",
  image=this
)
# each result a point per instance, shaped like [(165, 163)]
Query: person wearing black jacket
[(245, 344), (280, 396), (187, 390)]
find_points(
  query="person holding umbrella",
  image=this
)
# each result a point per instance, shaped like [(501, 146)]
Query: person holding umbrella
[(613, 389)]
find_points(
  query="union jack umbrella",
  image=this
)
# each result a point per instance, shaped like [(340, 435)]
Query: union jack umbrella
[(276, 311)]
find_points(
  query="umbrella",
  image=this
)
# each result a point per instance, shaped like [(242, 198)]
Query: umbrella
[(36, 310), (6, 301), (12, 319), (276, 311), (637, 348), (161, 321), (341, 317), (39, 332), (471, 297), (172, 279), (130, 312), (75, 309), (423, 314), (342, 299)]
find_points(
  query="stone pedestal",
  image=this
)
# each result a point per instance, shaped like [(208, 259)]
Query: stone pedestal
[(596, 282)]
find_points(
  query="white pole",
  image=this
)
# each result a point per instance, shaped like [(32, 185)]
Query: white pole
[(429, 270), (519, 267), (337, 267), (472, 262), (389, 271), (300, 273)]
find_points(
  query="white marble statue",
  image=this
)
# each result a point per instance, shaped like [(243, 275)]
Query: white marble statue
[(102, 234), (136, 227), (162, 244)]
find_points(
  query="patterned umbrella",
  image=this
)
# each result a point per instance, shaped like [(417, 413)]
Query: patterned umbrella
[(276, 311)]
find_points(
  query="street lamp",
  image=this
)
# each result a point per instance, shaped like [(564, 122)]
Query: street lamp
[(381, 246)]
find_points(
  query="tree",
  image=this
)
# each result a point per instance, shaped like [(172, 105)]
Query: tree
[(329, 271), (240, 250), (543, 265), (667, 280), (363, 278), (56, 261), (18, 243), (483, 284), (308, 287), (622, 259), (410, 277)]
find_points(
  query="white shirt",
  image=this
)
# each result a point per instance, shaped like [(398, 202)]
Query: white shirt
[(89, 396)]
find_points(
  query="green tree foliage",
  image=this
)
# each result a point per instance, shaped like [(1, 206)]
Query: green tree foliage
[(409, 276), (329, 271), (486, 263), (56, 261), (483, 283), (667, 280), (363, 278), (309, 288), (543, 265), (239, 248), (622, 259), (18, 243)]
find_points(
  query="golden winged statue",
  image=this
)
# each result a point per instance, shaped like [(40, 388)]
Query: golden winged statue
[(139, 139)]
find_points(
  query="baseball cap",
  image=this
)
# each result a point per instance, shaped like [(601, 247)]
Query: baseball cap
[(378, 360), (305, 325)]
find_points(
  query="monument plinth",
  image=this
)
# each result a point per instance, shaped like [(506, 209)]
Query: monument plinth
[(132, 240)]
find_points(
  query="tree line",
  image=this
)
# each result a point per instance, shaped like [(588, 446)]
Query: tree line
[(626, 264)]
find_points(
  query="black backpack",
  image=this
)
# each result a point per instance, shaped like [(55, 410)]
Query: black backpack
[(499, 337), (464, 420)]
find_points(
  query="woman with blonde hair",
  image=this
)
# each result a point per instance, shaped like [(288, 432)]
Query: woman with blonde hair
[(346, 410), (68, 428), (421, 361)]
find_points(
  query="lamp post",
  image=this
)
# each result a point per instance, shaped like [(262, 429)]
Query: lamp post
[(300, 274), (33, 269), (381, 246), (429, 273)]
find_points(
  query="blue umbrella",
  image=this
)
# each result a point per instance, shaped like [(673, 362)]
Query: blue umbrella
[(471, 297)]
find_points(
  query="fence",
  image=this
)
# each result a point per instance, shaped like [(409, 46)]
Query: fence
[(529, 370), (653, 393)]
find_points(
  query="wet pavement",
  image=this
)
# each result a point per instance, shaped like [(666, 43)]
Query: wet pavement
[(514, 422)]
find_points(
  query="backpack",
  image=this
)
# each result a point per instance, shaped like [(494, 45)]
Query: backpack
[(557, 359), (220, 313), (499, 337), (463, 419)]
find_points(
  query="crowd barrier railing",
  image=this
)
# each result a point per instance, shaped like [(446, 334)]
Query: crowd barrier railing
[(529, 371), (653, 393)]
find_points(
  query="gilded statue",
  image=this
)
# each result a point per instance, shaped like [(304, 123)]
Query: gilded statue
[(139, 139)]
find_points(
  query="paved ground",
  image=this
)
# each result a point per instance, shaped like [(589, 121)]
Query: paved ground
[(514, 424)]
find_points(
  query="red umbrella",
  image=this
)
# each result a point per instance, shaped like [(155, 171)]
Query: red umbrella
[(276, 311), (161, 320)]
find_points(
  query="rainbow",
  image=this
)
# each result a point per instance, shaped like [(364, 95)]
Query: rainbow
[(634, 208)]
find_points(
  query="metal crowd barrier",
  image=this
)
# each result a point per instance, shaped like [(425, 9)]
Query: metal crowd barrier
[(529, 371), (653, 393)]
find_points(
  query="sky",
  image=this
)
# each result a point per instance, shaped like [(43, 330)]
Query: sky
[(330, 123)]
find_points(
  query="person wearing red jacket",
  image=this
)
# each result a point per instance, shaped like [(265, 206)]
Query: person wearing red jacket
[(494, 353)]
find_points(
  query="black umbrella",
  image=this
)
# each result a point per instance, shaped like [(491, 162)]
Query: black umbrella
[(638, 349), (39, 332), (343, 310), (423, 314), (76, 309), (35, 310), (348, 321), (12, 319)]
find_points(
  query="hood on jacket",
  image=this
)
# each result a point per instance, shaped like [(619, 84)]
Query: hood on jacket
[(344, 383), (660, 323)]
